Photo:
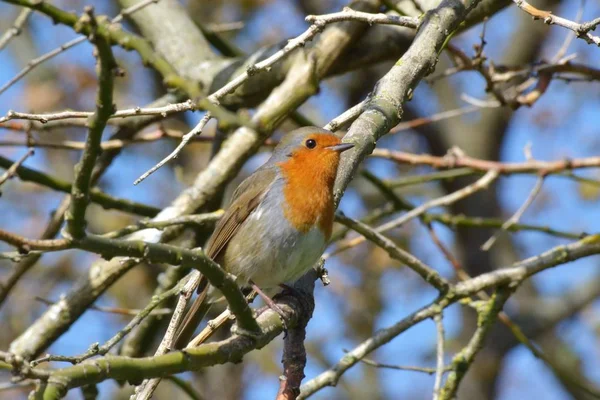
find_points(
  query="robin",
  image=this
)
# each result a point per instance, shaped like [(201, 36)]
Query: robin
[(279, 221)]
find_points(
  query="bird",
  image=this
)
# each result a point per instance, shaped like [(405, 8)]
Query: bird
[(279, 220)]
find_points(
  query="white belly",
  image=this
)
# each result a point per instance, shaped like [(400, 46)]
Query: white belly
[(271, 253)]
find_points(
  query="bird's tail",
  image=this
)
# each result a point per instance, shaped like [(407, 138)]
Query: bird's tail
[(194, 316)]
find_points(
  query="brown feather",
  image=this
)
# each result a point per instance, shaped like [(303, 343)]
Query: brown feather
[(193, 317), (245, 200)]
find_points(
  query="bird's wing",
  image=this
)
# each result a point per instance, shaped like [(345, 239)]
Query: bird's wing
[(245, 200)]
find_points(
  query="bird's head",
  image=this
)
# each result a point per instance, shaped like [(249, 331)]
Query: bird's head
[(311, 148)]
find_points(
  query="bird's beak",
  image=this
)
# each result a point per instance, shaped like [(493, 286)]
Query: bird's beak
[(341, 147)]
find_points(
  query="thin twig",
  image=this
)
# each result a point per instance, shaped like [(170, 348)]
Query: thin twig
[(15, 30), (318, 23), (113, 310), (443, 115), (39, 60), (130, 112), (420, 179), (517, 216), (371, 363), (186, 387), (457, 159), (517, 332), (12, 170), (570, 35), (464, 359), (148, 386), (116, 144), (480, 184), (225, 26), (346, 117), (348, 14), (96, 349), (439, 325), (581, 30), (111, 144), (198, 220), (426, 272), (458, 269), (211, 327), (184, 141), (25, 245)]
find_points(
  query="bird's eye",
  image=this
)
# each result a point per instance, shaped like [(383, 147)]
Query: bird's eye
[(311, 143)]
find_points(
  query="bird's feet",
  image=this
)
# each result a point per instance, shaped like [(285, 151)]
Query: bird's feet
[(269, 302)]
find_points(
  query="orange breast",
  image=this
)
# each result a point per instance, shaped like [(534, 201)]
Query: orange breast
[(308, 191)]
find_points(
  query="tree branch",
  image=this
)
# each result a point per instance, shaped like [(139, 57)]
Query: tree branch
[(512, 276), (464, 359), (581, 30), (95, 195), (106, 69)]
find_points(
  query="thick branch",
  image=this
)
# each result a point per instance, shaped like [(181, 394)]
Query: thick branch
[(107, 68), (136, 369)]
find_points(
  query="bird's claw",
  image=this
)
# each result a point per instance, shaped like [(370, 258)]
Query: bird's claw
[(282, 316)]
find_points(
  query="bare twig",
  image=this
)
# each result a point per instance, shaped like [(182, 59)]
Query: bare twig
[(506, 320), (439, 325), (25, 245), (581, 30), (130, 112), (376, 364), (348, 14), (225, 26), (112, 144), (346, 117), (184, 141), (185, 386), (211, 327), (517, 216), (460, 160), (214, 324), (443, 115), (318, 24), (480, 184), (12, 170), (458, 269), (45, 57), (96, 349), (197, 220), (147, 388), (426, 272), (570, 35), (15, 30), (113, 310), (464, 359)]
